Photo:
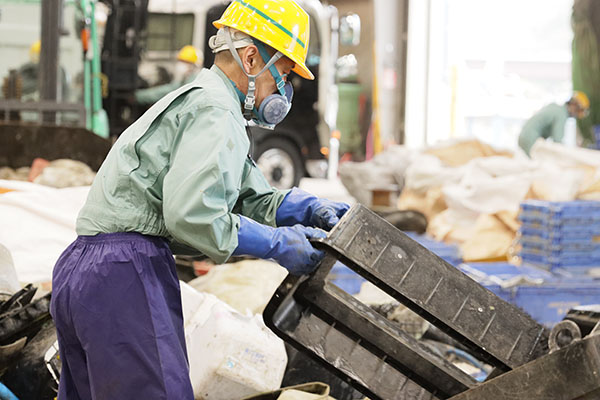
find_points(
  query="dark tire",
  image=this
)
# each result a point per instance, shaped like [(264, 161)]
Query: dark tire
[(280, 161), (408, 221)]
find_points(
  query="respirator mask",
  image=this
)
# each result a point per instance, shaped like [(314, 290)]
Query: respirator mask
[(274, 107)]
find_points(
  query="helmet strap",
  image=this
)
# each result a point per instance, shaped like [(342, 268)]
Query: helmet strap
[(250, 98), (274, 72)]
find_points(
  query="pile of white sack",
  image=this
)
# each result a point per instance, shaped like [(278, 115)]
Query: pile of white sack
[(471, 192)]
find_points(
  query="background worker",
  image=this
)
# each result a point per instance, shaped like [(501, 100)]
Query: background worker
[(188, 65), (29, 73), (181, 174), (29, 70), (549, 122)]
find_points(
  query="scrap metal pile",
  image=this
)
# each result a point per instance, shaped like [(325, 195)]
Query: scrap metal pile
[(28, 358)]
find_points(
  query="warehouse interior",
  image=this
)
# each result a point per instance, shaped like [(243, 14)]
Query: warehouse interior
[(299, 199)]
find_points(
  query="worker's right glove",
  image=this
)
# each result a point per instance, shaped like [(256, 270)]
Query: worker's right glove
[(289, 246), (300, 207)]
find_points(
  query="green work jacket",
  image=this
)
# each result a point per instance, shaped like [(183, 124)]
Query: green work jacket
[(548, 123), (182, 171)]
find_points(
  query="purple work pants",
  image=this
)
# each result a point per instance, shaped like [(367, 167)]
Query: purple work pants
[(117, 308)]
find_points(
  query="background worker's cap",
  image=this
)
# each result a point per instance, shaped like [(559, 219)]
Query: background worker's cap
[(188, 54), (581, 99), (34, 51), (35, 48), (281, 24)]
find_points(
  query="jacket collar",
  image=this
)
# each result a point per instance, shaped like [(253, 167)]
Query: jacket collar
[(228, 84)]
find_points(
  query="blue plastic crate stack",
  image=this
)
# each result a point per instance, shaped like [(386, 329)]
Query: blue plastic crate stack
[(545, 295), (447, 252), (350, 281), (560, 234)]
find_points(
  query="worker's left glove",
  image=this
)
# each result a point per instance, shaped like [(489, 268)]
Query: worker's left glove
[(300, 207), (289, 246)]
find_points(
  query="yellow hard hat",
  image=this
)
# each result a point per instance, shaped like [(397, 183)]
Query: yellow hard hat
[(188, 54), (281, 24), (582, 99), (35, 48)]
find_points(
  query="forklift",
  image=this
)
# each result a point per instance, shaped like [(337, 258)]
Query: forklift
[(55, 128)]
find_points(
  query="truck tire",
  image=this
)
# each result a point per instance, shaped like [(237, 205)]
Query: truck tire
[(280, 161)]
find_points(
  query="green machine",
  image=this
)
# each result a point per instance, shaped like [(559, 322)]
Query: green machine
[(586, 65), (348, 117), (92, 86)]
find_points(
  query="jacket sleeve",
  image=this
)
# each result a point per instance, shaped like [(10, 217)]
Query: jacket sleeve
[(534, 128), (529, 134), (205, 170), (258, 200), (558, 127)]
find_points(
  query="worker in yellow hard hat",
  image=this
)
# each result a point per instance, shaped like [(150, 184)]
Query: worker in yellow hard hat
[(181, 177), (29, 73), (189, 54), (549, 122), (34, 51), (30, 70), (188, 65)]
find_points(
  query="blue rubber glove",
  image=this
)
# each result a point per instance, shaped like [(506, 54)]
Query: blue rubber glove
[(288, 246), (300, 207)]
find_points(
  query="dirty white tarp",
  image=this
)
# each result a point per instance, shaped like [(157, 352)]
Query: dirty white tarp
[(574, 160), (230, 355), (65, 173), (545, 150), (246, 286), (9, 283), (489, 185), (331, 189), (36, 224), (475, 200), (385, 169)]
